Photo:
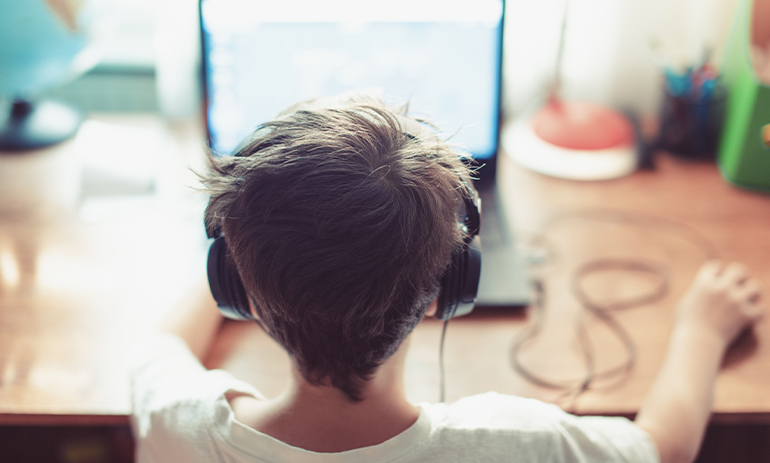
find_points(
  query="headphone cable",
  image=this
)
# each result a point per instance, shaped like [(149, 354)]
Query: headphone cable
[(441, 373)]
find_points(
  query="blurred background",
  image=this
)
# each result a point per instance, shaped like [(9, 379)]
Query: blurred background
[(613, 52)]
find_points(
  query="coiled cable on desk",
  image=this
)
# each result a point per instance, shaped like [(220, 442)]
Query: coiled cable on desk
[(603, 312)]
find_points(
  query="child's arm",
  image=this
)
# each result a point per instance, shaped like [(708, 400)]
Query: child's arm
[(195, 319), (720, 304)]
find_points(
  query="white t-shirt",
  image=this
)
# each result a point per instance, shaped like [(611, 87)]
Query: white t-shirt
[(181, 415)]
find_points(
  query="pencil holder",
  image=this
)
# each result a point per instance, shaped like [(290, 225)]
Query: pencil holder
[(691, 122)]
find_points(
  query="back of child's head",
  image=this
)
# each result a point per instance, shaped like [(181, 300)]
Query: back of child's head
[(341, 221)]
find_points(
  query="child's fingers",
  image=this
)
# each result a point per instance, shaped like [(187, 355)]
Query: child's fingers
[(750, 290), (734, 273), (748, 296), (710, 270), (754, 311)]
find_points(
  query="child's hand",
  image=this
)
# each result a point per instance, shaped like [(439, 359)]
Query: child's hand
[(722, 301)]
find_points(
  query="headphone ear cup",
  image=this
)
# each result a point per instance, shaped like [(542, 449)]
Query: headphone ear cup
[(460, 283), (447, 299), (472, 272), (225, 283)]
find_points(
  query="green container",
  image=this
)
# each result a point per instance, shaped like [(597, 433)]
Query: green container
[(744, 158)]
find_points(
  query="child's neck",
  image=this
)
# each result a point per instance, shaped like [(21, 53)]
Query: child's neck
[(324, 419)]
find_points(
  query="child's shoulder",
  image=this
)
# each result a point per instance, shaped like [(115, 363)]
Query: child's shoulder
[(536, 431), (495, 409)]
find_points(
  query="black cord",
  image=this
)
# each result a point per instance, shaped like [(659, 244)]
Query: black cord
[(441, 374), (603, 311)]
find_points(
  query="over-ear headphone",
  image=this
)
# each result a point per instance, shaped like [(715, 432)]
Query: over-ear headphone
[(225, 281), (459, 284)]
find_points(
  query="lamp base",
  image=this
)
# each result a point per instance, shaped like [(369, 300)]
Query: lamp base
[(522, 143), (31, 126)]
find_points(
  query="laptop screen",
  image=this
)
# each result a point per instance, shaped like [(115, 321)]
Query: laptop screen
[(443, 57)]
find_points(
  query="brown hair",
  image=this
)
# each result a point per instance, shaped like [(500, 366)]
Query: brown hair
[(341, 224)]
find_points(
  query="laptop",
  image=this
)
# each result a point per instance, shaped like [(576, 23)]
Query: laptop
[(443, 57)]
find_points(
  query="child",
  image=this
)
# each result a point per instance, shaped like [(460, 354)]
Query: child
[(342, 219)]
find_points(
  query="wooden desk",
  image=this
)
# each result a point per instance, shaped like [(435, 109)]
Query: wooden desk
[(77, 291)]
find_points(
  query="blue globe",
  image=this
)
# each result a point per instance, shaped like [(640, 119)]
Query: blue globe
[(41, 43)]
